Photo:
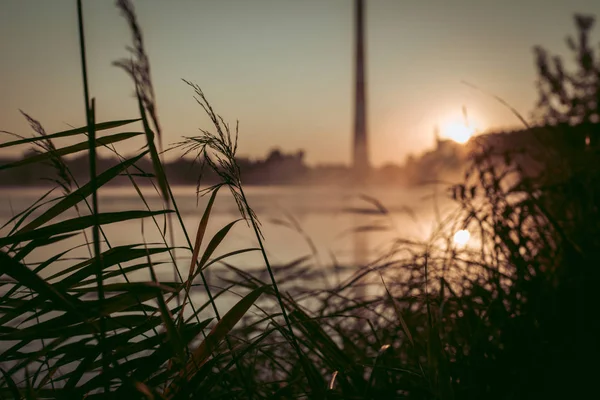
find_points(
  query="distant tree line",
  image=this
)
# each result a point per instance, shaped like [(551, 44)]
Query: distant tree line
[(444, 162), (278, 168)]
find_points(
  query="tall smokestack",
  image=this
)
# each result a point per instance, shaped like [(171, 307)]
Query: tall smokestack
[(360, 155)]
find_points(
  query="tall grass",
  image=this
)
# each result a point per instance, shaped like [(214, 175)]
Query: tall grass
[(513, 317)]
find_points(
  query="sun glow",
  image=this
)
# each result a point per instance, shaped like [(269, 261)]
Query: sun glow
[(459, 128), (461, 238), (459, 132)]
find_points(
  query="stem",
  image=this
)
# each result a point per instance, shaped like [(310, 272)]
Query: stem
[(191, 247), (89, 113), (271, 275)]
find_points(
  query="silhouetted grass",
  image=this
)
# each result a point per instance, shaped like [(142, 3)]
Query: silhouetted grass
[(510, 317)]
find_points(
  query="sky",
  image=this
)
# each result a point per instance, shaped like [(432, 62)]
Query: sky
[(284, 68)]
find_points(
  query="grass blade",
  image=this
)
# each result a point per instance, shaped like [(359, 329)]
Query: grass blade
[(398, 313), (71, 132), (216, 241), (199, 236), (79, 223), (167, 318), (157, 165), (103, 141), (109, 258), (220, 330), (31, 280), (75, 197), (11, 385)]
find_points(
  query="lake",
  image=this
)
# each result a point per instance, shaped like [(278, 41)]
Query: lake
[(334, 228), (330, 226)]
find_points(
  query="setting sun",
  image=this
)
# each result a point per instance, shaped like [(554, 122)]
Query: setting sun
[(461, 238), (458, 132), (460, 127)]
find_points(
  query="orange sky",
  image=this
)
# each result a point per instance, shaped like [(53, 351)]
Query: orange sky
[(284, 68)]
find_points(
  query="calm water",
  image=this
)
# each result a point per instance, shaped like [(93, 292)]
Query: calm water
[(324, 228)]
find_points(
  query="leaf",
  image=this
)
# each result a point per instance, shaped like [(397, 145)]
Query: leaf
[(364, 211), (221, 329), (215, 241), (71, 132), (122, 342), (208, 303), (75, 197), (380, 207), (199, 236), (29, 279), (53, 329), (172, 332), (110, 274), (88, 261), (71, 149), (128, 348), (370, 228), (174, 338), (84, 365), (143, 389), (237, 355), (123, 302), (17, 286), (320, 340), (36, 244), (332, 381), (121, 255), (79, 223), (11, 385), (381, 351), (23, 214), (230, 254), (143, 367), (157, 165), (398, 313), (130, 287), (36, 355)]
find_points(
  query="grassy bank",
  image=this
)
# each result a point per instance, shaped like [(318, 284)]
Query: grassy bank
[(513, 317)]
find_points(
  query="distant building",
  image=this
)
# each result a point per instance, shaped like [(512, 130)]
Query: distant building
[(360, 151)]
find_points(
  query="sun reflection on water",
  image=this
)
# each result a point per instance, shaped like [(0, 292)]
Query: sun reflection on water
[(461, 238)]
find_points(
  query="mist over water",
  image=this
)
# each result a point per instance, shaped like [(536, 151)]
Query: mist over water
[(331, 225)]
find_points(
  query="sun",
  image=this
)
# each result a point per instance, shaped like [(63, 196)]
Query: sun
[(461, 238), (459, 128), (458, 131)]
